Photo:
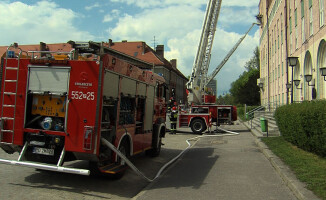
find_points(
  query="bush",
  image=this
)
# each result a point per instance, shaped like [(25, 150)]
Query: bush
[(241, 111), (304, 125)]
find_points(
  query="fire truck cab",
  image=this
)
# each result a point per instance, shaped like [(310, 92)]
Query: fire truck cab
[(59, 106)]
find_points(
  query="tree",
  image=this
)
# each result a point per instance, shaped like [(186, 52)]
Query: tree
[(245, 89), (225, 100)]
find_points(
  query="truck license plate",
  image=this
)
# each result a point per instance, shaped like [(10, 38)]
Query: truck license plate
[(43, 151)]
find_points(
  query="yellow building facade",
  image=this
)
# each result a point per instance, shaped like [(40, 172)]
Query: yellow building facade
[(292, 29)]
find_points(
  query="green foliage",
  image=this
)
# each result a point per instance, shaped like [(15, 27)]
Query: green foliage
[(304, 125), (245, 89), (225, 100), (241, 111), (253, 63)]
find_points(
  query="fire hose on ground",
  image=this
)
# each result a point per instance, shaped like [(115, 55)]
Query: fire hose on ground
[(135, 169)]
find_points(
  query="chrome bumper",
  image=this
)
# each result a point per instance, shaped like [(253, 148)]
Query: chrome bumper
[(46, 167)]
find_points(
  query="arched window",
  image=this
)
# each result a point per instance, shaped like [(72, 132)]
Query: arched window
[(308, 71), (321, 62)]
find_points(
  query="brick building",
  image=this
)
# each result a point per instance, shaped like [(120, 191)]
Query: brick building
[(136, 53), (293, 28), (173, 77)]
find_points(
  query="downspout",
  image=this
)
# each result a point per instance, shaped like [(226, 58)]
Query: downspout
[(286, 49), (268, 90)]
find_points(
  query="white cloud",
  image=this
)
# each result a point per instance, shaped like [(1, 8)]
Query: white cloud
[(241, 3), (179, 27), (96, 5), (111, 16), (195, 3), (44, 21), (229, 17), (164, 23), (107, 18), (160, 3)]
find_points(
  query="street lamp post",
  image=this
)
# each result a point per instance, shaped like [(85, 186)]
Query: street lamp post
[(292, 62)]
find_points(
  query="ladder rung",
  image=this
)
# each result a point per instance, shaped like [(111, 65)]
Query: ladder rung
[(7, 131), (10, 106), (10, 81), (10, 93), (12, 68), (8, 118)]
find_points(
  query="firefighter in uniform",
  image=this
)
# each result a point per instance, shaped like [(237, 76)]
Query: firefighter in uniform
[(173, 120)]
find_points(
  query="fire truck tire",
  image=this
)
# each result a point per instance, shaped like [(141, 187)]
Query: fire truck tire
[(159, 132), (198, 126), (124, 148), (156, 149)]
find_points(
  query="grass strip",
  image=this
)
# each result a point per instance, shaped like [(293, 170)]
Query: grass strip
[(308, 168)]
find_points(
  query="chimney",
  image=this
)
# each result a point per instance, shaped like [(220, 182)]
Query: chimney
[(143, 48), (174, 63), (160, 50), (110, 43), (43, 48)]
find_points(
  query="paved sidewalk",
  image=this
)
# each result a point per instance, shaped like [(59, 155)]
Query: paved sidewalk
[(227, 167)]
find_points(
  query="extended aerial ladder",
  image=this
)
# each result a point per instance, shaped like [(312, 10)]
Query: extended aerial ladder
[(199, 78), (202, 60), (219, 67)]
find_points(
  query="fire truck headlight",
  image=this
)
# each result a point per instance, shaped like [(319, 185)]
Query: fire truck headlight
[(46, 124)]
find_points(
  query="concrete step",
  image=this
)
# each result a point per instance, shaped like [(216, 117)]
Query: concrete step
[(271, 124), (255, 126)]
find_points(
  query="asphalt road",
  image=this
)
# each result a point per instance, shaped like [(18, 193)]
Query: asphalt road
[(228, 167), (21, 183), (214, 168)]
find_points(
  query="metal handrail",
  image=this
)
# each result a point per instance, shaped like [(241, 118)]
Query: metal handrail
[(255, 109)]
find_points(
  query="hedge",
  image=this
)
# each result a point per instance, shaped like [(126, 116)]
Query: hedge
[(304, 125)]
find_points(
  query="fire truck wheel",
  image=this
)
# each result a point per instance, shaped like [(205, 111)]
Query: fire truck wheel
[(156, 149), (198, 126)]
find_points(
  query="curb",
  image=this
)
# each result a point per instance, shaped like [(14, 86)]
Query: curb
[(297, 187)]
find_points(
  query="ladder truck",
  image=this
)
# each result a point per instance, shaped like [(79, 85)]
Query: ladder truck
[(63, 106), (203, 111)]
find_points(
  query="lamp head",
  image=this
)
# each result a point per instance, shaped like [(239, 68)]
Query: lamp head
[(308, 77), (323, 71), (288, 85), (296, 82), (293, 61)]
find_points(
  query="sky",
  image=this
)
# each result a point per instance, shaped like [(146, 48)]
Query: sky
[(176, 24)]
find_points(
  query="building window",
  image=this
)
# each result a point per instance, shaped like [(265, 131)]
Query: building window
[(321, 13), (302, 22), (296, 27), (290, 21), (291, 49), (311, 30)]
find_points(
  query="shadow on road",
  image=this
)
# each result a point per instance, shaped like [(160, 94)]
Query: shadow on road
[(100, 187), (191, 170)]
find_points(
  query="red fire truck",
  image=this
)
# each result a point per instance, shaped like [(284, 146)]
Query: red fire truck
[(58, 106)]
